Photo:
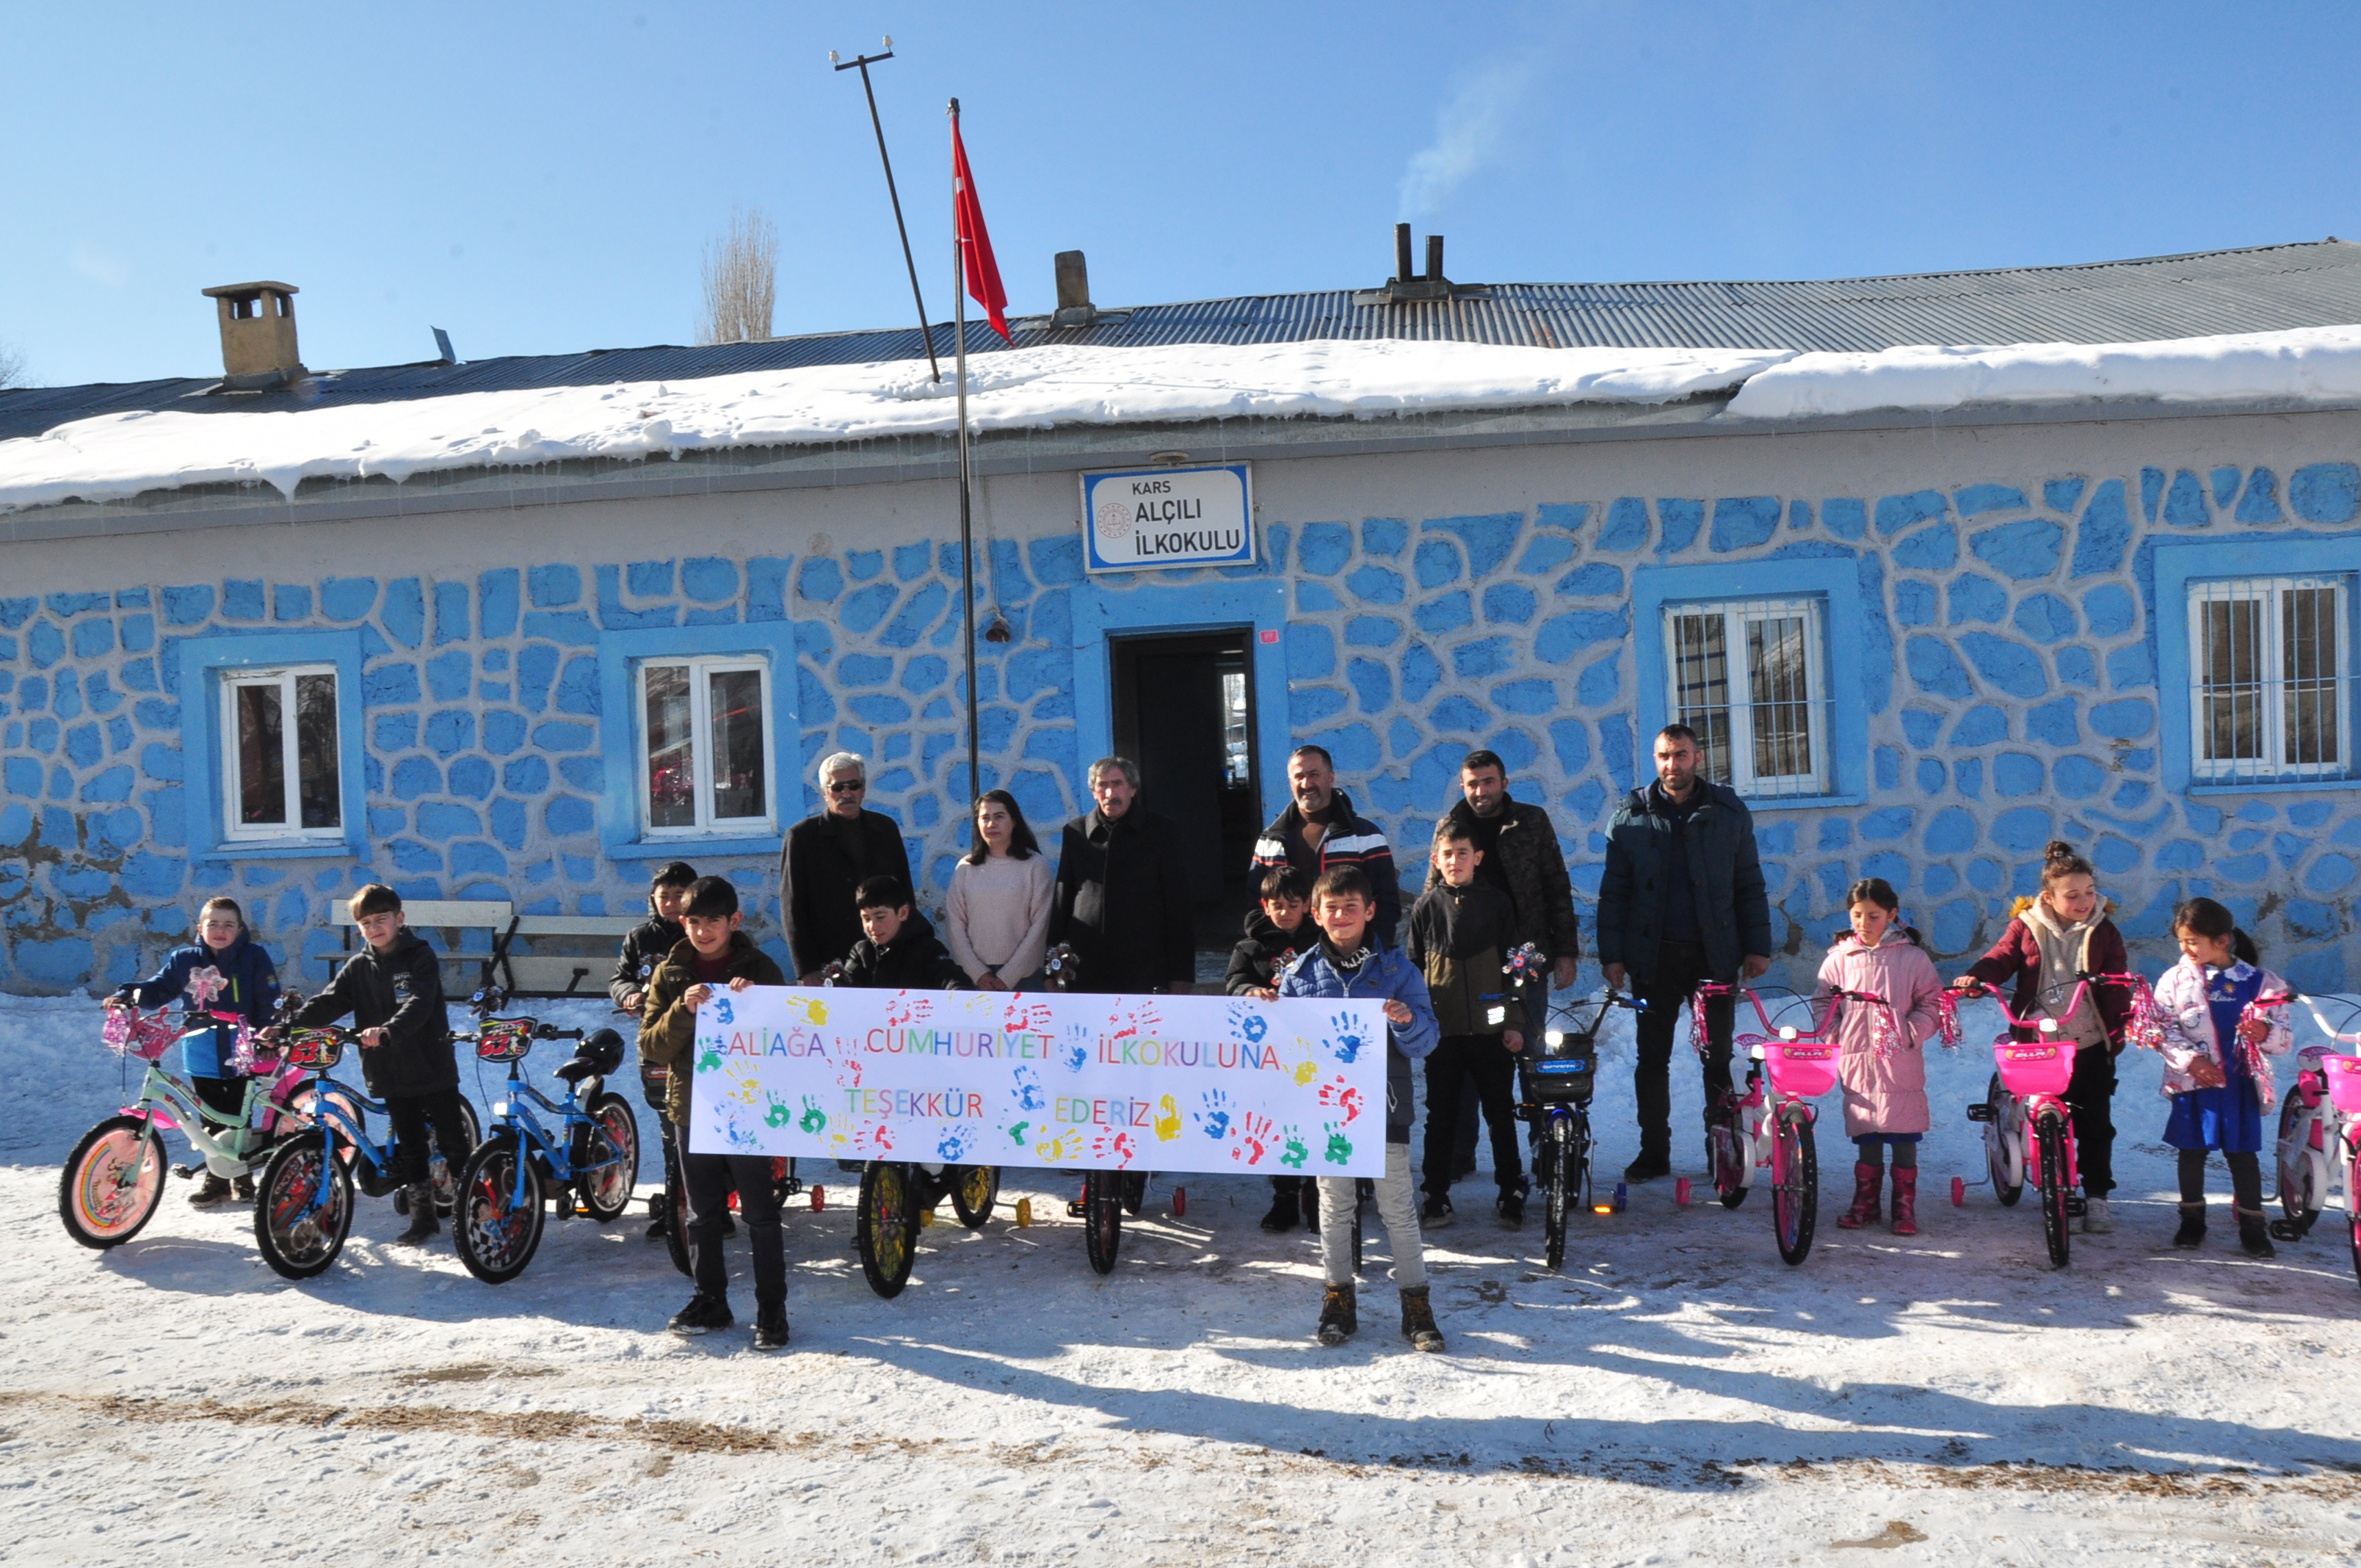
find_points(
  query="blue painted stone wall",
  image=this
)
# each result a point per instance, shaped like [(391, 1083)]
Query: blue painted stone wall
[(2010, 666)]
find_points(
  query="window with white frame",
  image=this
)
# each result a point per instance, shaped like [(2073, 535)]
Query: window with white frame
[(279, 763), (2270, 671), (705, 761), (1748, 676)]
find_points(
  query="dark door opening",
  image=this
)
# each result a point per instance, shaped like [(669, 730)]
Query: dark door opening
[(1184, 712)]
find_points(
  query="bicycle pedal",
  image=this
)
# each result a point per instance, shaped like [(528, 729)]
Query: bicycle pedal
[(1077, 1209), (2288, 1230), (2077, 1207), (186, 1172), (1980, 1112)]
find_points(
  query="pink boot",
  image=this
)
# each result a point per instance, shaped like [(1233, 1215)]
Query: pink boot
[(1865, 1179), (1905, 1202)]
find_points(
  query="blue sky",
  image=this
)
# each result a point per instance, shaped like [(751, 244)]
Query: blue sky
[(539, 179)]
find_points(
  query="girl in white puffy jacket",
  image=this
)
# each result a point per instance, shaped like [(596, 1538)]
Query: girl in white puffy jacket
[(2214, 1069)]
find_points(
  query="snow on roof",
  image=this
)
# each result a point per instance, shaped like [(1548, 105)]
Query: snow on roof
[(114, 457)]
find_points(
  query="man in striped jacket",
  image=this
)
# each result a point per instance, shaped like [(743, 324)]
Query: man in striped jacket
[(1320, 830)]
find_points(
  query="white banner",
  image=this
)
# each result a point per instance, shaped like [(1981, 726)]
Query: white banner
[(1175, 1083)]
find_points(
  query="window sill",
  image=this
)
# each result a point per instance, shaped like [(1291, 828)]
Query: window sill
[(280, 850), (2273, 787), (1800, 802), (693, 844)]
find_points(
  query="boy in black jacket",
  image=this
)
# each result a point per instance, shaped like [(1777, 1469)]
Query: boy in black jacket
[(1459, 934), (649, 943), (393, 989), (901, 952), (1278, 930)]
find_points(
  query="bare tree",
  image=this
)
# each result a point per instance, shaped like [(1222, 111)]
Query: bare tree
[(741, 271), (12, 367)]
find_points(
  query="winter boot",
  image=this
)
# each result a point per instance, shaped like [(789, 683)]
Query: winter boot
[(1866, 1178), (423, 1228), (1418, 1319), (2254, 1235), (703, 1315), (1285, 1206), (1435, 1213), (242, 1189), (1652, 1163), (1906, 1201), (1510, 1206), (770, 1328), (211, 1194), (2096, 1221), (1339, 1319), (2192, 1226)]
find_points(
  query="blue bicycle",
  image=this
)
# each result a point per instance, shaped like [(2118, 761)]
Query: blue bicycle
[(303, 1201), (1555, 1082), (593, 1149)]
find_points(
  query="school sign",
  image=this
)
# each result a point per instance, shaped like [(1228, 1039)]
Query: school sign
[(1141, 518)]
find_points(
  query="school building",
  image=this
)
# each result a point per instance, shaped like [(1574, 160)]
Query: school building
[(513, 663)]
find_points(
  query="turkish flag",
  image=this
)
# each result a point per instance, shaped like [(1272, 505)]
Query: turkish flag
[(976, 242)]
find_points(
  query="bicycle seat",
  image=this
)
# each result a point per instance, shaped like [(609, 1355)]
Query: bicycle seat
[(601, 1053), (577, 1069)]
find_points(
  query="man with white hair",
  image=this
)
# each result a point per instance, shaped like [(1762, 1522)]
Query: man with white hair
[(1122, 895), (824, 861)]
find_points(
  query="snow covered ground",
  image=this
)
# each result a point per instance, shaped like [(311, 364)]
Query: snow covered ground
[(1677, 1394)]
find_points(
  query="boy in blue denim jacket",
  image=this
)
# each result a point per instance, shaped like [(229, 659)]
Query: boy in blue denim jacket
[(1351, 962)]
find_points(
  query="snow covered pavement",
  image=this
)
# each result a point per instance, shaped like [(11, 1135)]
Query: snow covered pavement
[(1676, 1394)]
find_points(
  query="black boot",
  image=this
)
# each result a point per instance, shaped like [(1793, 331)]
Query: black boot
[(212, 1193), (1285, 1208), (423, 1227), (2254, 1235), (1418, 1319), (2192, 1226), (1651, 1165), (1339, 1319)]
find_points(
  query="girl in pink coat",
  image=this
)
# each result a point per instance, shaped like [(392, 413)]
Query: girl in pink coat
[(1884, 1066)]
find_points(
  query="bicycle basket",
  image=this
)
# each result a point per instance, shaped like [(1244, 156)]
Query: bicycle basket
[(1806, 1068), (505, 1039), (320, 1048), (2343, 1082), (2027, 1070), (1565, 1069), (128, 1032)]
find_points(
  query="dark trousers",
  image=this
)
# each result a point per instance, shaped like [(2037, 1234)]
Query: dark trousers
[(1458, 1059), (2090, 1105), (1680, 966), (2245, 1178), (707, 1178), (409, 1114)]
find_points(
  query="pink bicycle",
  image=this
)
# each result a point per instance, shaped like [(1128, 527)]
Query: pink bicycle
[(1769, 1126), (2320, 1134)]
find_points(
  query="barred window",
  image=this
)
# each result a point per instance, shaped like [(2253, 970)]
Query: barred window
[(705, 759), (1747, 675), (2270, 671)]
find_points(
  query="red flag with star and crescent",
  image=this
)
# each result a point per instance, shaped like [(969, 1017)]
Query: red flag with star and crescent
[(975, 241)]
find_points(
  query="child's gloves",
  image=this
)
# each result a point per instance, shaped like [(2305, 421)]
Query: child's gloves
[(2207, 1072)]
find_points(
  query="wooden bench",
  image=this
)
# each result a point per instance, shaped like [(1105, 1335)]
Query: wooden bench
[(442, 922), (562, 974)]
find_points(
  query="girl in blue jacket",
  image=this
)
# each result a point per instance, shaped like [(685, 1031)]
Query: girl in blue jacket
[(1350, 960), (248, 987)]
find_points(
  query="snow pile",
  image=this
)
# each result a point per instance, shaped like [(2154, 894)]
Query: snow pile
[(2311, 365), (118, 456)]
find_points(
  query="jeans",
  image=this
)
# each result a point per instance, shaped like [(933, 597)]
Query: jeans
[(1459, 1060), (410, 1113), (1395, 1206), (2090, 1104), (707, 1178), (1679, 967)]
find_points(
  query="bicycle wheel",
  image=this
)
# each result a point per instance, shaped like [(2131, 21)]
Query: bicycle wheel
[(439, 1174), (2353, 1212), (613, 1167), (676, 1224), (497, 1228), (302, 1208), (1102, 1218), (974, 1189), (1557, 1180), (886, 1230), (2300, 1194), (2056, 1226), (1795, 1186), (113, 1182), (2007, 1175)]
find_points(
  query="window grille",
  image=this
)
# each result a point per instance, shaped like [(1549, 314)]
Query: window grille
[(278, 754), (2270, 665), (704, 757), (1748, 676)]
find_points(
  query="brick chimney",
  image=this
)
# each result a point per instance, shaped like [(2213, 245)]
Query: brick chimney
[(257, 335)]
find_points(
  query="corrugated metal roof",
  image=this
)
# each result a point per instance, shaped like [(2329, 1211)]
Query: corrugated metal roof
[(2268, 288)]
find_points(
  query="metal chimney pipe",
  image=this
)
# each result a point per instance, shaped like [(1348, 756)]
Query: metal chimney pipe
[(1402, 253), (1434, 259)]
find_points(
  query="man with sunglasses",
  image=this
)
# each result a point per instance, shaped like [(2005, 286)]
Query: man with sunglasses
[(824, 861)]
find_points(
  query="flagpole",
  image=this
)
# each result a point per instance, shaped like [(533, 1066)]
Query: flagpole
[(862, 65), (967, 535)]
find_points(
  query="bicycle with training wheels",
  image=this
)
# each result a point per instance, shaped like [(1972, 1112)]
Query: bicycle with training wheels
[(303, 1200), (593, 1149), (112, 1180), (1556, 1076), (1770, 1126), (2320, 1132)]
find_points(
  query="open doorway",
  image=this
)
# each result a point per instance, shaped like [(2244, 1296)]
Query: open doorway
[(1184, 710)]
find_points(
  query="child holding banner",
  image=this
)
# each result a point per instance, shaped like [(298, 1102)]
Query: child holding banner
[(1350, 961), (716, 953), (1280, 928)]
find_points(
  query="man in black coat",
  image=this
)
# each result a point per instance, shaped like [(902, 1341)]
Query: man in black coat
[(1122, 899), (393, 989), (824, 861), (1681, 901)]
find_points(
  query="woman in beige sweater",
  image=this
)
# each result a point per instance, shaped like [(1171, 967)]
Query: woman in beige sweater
[(998, 911)]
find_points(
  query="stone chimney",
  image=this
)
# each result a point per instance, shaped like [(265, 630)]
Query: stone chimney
[(1074, 307), (257, 333)]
